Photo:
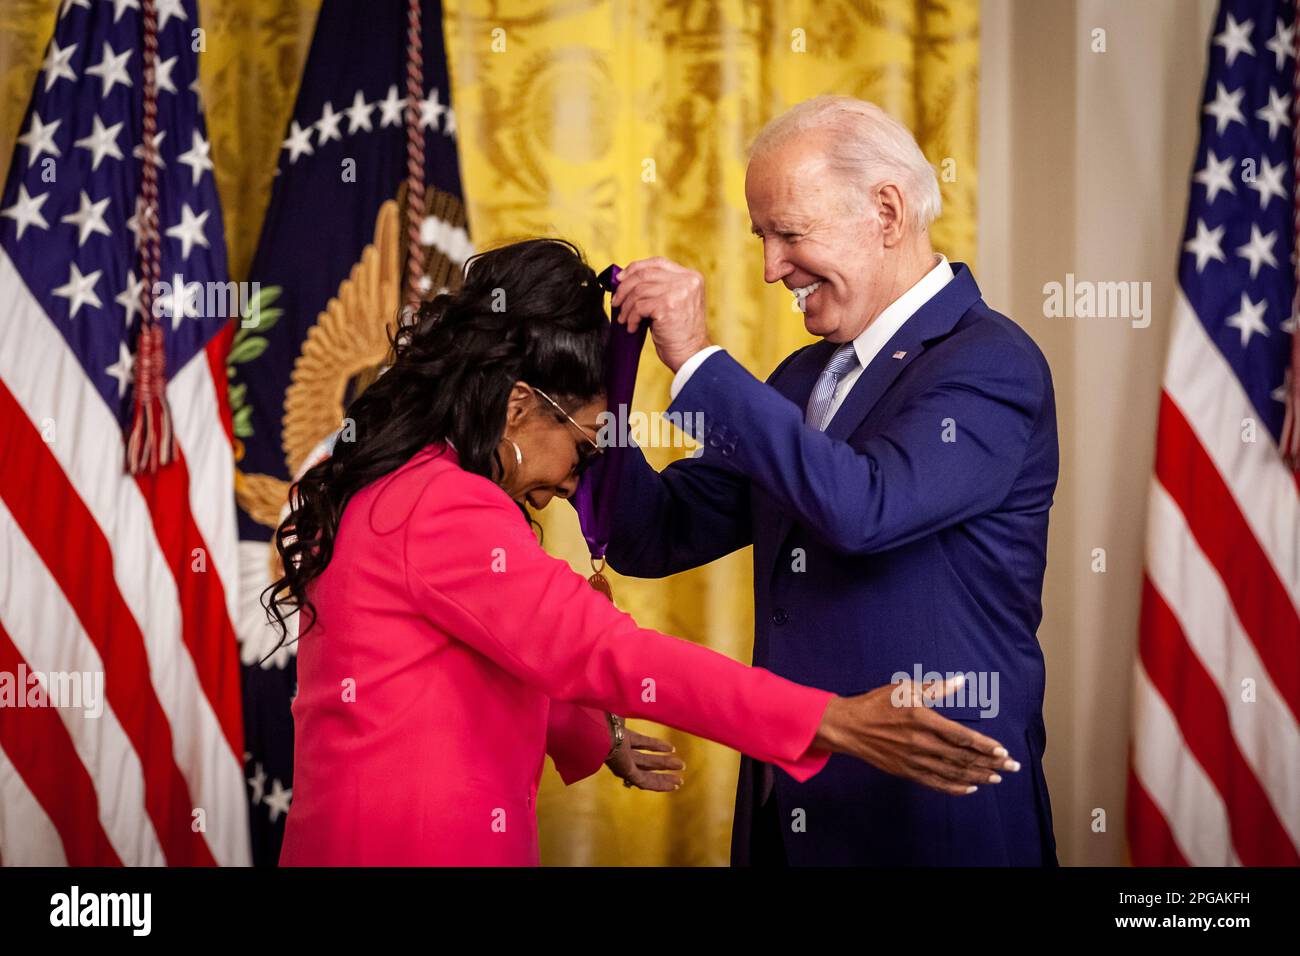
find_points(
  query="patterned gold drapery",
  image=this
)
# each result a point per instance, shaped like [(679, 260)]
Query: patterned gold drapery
[(622, 126)]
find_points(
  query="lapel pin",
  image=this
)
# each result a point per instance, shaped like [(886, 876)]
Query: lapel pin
[(899, 355)]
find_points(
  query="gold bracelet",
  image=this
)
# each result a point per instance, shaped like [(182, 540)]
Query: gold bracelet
[(615, 735)]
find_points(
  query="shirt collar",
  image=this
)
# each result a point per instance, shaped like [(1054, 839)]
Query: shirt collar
[(873, 338)]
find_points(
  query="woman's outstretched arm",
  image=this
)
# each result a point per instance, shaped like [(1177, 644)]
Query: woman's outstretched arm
[(477, 573)]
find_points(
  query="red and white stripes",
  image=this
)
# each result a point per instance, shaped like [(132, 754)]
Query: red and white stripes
[(1216, 746), (131, 576)]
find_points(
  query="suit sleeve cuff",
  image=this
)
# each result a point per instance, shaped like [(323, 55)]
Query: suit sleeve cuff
[(688, 368), (797, 756)]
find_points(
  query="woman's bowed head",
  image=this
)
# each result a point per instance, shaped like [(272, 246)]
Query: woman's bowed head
[(504, 378), (507, 370)]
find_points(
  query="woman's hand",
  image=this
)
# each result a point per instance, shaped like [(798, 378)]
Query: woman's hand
[(642, 762), (892, 728)]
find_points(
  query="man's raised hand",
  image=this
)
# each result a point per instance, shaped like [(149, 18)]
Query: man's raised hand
[(671, 297)]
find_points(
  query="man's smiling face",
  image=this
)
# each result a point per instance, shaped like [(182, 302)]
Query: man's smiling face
[(818, 237)]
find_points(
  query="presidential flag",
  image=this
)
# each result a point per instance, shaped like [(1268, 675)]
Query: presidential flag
[(121, 737), (1215, 770), (365, 217)]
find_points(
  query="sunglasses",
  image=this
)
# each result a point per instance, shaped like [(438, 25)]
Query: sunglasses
[(588, 453)]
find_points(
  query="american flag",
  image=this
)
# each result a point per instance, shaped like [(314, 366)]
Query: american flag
[(129, 577), (1215, 771)]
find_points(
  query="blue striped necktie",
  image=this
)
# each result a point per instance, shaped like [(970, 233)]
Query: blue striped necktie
[(823, 396)]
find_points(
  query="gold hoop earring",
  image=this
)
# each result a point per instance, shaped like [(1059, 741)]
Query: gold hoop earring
[(508, 476)]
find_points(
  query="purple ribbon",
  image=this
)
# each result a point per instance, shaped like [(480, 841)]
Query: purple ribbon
[(598, 489)]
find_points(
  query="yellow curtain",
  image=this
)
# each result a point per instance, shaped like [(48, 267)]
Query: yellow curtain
[(622, 126)]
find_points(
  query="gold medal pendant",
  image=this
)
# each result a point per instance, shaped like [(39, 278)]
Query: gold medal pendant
[(598, 580)]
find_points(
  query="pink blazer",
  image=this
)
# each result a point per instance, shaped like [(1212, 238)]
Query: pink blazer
[(452, 654)]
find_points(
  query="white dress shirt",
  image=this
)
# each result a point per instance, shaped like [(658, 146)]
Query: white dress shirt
[(868, 343)]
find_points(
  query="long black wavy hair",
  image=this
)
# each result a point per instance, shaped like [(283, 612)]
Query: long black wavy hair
[(531, 311)]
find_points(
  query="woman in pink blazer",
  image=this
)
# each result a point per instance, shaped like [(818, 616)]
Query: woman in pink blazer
[(444, 654)]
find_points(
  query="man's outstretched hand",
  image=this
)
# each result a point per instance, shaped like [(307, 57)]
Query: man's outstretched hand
[(672, 296), (892, 728)]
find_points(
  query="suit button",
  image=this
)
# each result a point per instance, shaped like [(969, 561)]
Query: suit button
[(779, 616)]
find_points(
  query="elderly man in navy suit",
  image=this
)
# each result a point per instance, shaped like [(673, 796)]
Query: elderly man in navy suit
[(894, 479)]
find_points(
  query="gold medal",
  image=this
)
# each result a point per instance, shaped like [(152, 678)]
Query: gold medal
[(598, 580)]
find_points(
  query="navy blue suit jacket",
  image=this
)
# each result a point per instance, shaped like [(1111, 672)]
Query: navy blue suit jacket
[(911, 534)]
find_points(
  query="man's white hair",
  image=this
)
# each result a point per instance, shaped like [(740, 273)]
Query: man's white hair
[(864, 144)]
